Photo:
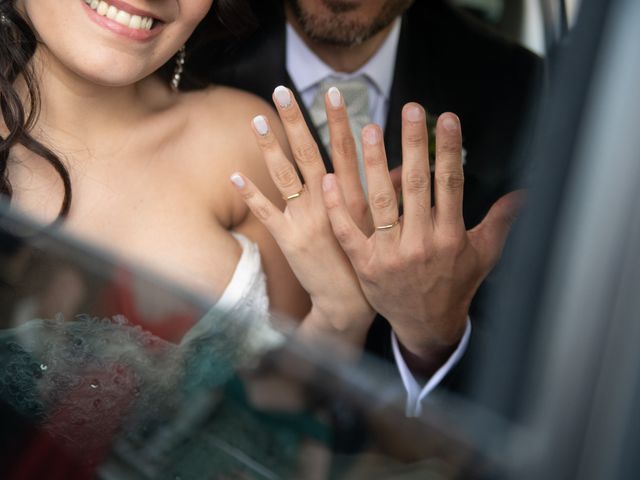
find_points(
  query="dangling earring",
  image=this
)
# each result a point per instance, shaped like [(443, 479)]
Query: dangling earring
[(177, 72)]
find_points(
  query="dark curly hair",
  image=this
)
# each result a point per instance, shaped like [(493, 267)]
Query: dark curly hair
[(17, 46)]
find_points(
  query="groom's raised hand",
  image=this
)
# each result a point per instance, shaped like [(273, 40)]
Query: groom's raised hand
[(420, 271)]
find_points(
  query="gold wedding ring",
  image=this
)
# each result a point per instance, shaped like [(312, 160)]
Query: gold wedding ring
[(388, 227), (295, 195)]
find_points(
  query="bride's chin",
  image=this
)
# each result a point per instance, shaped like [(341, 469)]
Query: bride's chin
[(101, 72), (116, 77)]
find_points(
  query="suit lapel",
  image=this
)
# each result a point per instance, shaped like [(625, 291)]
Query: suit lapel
[(411, 81), (264, 68)]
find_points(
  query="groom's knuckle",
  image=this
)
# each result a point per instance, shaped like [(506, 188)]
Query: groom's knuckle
[(344, 145), (339, 117), (451, 245), (450, 181), (449, 146), (382, 200), (415, 255), (415, 140), (374, 159), (394, 264), (417, 182)]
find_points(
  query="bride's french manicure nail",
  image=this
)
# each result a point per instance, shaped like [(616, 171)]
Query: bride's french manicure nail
[(283, 96), (261, 125), (237, 180), (335, 98), (327, 182)]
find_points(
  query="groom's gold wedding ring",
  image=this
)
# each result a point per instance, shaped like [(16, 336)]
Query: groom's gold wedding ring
[(295, 195), (389, 226)]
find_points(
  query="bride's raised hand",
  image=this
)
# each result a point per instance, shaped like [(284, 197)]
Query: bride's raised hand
[(303, 230)]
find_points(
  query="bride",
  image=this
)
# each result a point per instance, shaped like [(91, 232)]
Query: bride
[(92, 133)]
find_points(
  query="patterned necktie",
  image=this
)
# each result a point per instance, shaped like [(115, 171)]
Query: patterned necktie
[(355, 92)]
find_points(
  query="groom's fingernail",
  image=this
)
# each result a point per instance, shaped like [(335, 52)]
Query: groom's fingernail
[(414, 113), (261, 125), (335, 98), (450, 122), (371, 135), (283, 96), (237, 180), (328, 182)]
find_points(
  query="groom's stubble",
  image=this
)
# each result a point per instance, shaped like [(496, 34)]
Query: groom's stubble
[(345, 23)]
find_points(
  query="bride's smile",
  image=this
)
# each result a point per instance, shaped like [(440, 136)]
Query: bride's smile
[(124, 19), (111, 43)]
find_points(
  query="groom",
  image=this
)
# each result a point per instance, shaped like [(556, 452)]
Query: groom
[(383, 54)]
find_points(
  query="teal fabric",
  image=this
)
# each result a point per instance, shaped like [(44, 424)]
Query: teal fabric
[(159, 388)]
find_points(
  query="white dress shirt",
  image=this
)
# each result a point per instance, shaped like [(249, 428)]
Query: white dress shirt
[(307, 71)]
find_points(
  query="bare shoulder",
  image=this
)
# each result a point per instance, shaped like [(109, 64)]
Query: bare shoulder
[(231, 101), (221, 140), (229, 109)]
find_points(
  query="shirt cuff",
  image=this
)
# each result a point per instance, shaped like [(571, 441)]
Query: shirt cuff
[(415, 395)]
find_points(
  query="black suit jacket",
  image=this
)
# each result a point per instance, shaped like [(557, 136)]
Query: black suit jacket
[(447, 62)]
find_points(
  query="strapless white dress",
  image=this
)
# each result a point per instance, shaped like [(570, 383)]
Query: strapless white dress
[(242, 311)]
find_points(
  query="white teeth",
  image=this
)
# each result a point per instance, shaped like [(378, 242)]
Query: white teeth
[(123, 18), (135, 22), (112, 12), (102, 8)]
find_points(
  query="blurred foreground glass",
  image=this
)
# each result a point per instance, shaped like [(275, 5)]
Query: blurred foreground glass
[(108, 372)]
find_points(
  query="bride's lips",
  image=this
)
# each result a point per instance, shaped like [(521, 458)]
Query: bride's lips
[(128, 21)]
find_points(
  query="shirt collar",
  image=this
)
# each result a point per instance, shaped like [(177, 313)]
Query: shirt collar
[(306, 69)]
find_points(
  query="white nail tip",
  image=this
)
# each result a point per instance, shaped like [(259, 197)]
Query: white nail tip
[(334, 97), (283, 96), (261, 125), (237, 180)]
